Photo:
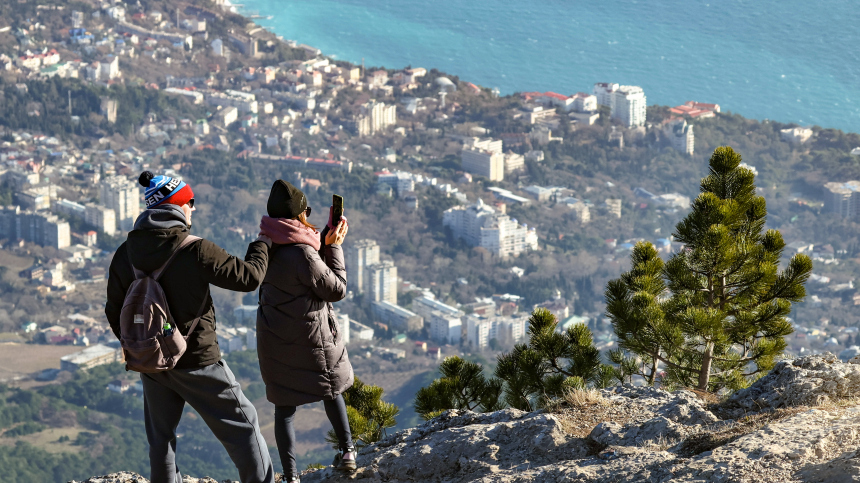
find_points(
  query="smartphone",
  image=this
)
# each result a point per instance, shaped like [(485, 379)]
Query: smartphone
[(337, 211)]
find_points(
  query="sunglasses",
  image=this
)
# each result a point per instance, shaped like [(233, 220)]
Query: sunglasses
[(191, 203), (308, 211)]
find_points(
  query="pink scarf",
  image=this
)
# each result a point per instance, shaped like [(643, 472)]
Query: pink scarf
[(284, 230)]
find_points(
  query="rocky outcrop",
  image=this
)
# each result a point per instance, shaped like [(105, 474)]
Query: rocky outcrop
[(769, 432), (799, 423)]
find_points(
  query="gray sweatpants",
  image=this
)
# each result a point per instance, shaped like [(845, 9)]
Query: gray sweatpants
[(218, 398)]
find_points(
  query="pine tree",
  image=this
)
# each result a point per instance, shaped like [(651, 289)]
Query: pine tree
[(714, 315), (462, 386), (369, 416), (529, 376)]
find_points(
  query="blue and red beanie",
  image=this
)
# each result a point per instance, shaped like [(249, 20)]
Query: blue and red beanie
[(164, 190)]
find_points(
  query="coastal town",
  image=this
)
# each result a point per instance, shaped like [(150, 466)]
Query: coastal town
[(229, 89)]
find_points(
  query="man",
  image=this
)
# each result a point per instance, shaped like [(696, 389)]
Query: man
[(200, 378)]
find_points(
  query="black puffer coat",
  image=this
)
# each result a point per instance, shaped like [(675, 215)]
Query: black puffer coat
[(302, 355)]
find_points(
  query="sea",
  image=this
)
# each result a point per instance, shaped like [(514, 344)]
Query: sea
[(785, 60)]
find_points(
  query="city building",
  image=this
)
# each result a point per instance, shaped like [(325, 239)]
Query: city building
[(482, 162), (123, 197), (444, 323), (360, 255), (843, 199), (680, 136), (505, 330), (514, 162), (696, 109), (101, 218), (383, 282), (361, 331), (401, 182), (480, 225), (627, 104), (342, 322), (796, 135), (92, 356), (227, 116), (245, 102), (374, 117), (40, 228), (231, 339), (613, 205), (583, 102), (396, 317)]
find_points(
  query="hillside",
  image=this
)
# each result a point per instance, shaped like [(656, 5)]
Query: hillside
[(797, 424)]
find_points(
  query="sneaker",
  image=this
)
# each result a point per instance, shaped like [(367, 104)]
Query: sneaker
[(345, 461)]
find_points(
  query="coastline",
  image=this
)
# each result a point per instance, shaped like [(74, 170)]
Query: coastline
[(803, 94)]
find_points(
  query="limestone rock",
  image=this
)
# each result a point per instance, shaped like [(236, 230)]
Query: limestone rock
[(806, 381), (643, 435)]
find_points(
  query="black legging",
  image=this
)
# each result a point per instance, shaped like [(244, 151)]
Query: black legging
[(285, 436)]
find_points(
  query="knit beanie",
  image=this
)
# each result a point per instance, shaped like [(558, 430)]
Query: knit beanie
[(164, 190), (285, 200)]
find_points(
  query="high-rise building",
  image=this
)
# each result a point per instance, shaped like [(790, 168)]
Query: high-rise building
[(604, 92), (629, 106), (123, 197), (383, 282), (480, 225), (626, 103), (39, 228), (843, 198), (360, 255), (375, 117), (101, 218)]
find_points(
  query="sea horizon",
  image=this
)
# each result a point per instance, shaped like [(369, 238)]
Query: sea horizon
[(764, 60)]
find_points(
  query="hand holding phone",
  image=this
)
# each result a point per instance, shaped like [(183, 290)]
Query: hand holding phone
[(337, 210)]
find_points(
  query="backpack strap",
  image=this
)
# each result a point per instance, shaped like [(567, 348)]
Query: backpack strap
[(187, 241)]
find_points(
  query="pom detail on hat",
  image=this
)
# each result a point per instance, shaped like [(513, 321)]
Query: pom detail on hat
[(145, 178)]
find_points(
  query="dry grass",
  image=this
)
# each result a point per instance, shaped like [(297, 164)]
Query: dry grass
[(22, 359), (48, 440), (580, 410), (707, 441)]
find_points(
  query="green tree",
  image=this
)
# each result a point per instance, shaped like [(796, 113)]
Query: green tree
[(369, 416), (462, 386), (714, 315), (529, 376), (550, 364)]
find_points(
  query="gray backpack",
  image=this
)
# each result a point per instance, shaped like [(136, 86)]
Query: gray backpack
[(147, 346)]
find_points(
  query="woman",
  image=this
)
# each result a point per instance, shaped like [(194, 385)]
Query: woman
[(302, 355)]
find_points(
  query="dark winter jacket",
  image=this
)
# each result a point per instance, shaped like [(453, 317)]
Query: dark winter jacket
[(186, 281), (302, 354)]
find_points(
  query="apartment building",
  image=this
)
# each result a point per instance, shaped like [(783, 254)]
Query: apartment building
[(482, 162), (627, 104), (360, 255), (680, 136), (398, 318), (383, 282), (480, 225), (40, 228), (843, 198), (123, 197), (444, 323)]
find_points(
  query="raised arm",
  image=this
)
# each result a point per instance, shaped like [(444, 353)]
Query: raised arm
[(232, 273)]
